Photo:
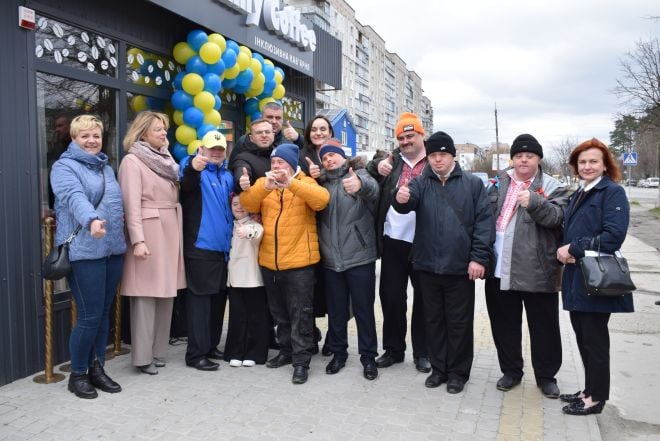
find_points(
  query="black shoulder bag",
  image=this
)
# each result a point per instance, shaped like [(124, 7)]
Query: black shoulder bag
[(605, 275)]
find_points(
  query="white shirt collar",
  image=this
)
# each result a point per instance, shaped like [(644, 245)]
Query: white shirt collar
[(591, 185)]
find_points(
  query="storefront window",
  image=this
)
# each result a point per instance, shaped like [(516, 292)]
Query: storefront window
[(294, 110), (149, 69), (71, 46)]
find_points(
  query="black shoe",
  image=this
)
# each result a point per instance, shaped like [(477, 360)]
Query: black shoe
[(278, 361), (325, 351), (100, 379), (80, 385), (578, 408), (455, 386), (299, 374), (215, 354), (204, 364), (435, 379), (550, 390), (370, 371), (423, 365), (387, 360), (506, 383), (571, 398), (334, 366)]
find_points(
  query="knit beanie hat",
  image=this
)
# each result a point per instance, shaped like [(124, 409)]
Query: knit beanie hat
[(408, 121), (526, 143), (333, 145), (288, 152), (440, 142)]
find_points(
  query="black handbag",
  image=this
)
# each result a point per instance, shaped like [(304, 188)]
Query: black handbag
[(606, 275), (57, 265)]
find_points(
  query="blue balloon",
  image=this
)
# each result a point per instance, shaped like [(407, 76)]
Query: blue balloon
[(269, 86), (245, 78), (212, 83), (228, 83), (281, 71), (231, 44), (256, 115), (228, 58), (251, 106), (181, 100), (259, 57), (196, 39), (204, 129), (269, 72), (196, 65), (239, 88), (178, 79), (218, 102), (217, 68), (179, 151), (193, 117)]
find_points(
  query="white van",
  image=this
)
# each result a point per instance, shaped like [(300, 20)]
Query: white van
[(653, 182)]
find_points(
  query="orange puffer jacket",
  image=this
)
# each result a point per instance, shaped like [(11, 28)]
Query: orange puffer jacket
[(288, 216)]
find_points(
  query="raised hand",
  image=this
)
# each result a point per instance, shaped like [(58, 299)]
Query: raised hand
[(352, 183), (244, 180), (523, 198), (385, 166), (289, 132), (314, 170), (403, 194), (199, 162)]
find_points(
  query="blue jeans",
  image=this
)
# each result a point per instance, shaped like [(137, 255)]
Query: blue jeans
[(93, 284)]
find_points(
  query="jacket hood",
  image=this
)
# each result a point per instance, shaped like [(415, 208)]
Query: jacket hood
[(75, 152)]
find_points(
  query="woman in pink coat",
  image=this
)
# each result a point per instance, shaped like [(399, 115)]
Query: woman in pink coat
[(153, 268)]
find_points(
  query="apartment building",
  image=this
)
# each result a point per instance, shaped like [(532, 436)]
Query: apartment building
[(376, 84)]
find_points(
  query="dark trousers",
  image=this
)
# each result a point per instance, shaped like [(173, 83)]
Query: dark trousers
[(449, 313), (93, 284), (291, 303), (395, 270), (204, 316), (248, 328), (505, 313), (593, 340), (357, 286)]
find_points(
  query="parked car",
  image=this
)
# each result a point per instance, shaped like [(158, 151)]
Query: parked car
[(653, 182), (642, 183), (631, 182)]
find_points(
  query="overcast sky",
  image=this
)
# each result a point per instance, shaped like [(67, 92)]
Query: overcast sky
[(550, 65)]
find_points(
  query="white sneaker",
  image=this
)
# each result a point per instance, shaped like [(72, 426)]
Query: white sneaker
[(248, 363), (235, 363)]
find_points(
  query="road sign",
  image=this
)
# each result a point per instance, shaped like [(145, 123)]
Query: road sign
[(630, 158)]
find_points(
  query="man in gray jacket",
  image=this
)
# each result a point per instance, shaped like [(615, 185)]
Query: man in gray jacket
[(529, 209)]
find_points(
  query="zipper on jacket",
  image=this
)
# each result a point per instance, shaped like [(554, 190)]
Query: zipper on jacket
[(277, 221)]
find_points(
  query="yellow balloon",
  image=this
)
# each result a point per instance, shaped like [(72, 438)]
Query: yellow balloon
[(204, 101), (177, 117), (246, 50), (255, 66), (185, 134), (193, 146), (265, 101), (219, 40), (182, 52), (192, 83), (232, 72), (253, 92), (278, 77), (267, 61), (243, 60), (258, 81), (210, 53), (139, 103), (212, 117), (279, 92)]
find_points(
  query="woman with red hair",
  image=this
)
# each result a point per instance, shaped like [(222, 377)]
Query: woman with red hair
[(597, 216)]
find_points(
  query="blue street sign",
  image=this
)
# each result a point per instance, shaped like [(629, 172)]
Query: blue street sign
[(630, 158)]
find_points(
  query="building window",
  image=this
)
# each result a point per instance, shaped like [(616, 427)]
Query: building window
[(149, 69), (71, 46)]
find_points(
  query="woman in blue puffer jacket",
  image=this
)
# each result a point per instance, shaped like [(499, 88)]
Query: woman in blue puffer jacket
[(88, 195)]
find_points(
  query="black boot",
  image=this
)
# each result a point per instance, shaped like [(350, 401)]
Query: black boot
[(100, 379), (79, 384)]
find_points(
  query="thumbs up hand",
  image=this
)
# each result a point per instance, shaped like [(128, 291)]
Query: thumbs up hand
[(314, 170), (385, 166), (403, 195), (199, 161), (289, 132), (244, 180), (352, 183)]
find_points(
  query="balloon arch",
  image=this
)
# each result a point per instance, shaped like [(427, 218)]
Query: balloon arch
[(213, 64)]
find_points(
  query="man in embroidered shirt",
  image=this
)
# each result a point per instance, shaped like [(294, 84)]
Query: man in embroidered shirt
[(529, 209)]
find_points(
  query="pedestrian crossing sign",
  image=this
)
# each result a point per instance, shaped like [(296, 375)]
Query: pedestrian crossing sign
[(630, 158)]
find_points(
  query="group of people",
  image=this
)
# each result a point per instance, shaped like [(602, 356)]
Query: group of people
[(287, 223)]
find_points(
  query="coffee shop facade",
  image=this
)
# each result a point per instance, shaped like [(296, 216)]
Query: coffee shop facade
[(61, 58)]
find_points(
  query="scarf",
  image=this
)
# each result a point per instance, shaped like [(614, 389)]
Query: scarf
[(159, 161)]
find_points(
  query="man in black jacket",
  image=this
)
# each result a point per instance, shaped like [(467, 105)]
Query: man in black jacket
[(453, 246), (394, 236), (253, 161)]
